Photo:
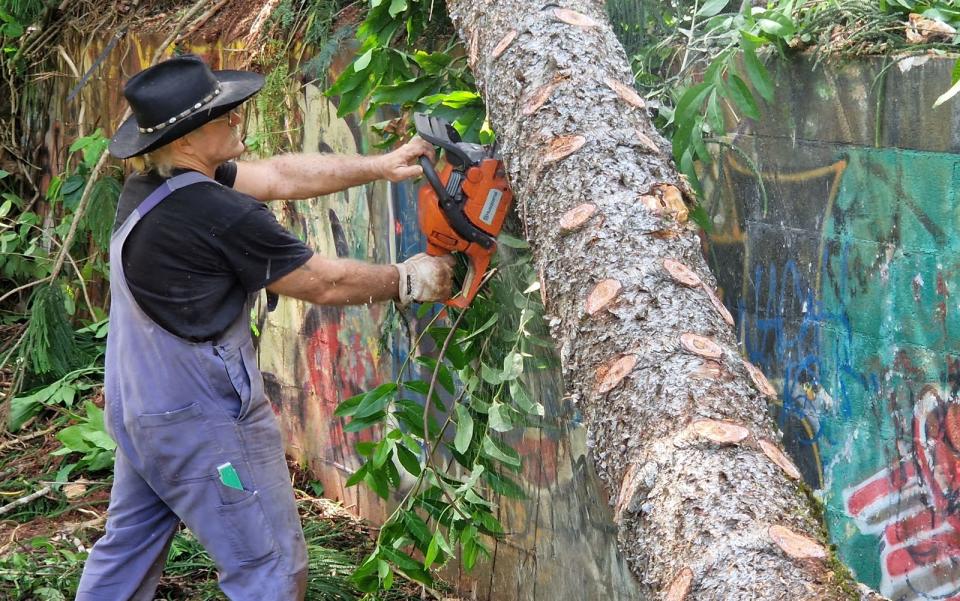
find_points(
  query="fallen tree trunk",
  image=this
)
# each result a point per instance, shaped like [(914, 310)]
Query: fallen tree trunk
[(707, 504)]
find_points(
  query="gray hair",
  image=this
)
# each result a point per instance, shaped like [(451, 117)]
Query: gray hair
[(159, 160)]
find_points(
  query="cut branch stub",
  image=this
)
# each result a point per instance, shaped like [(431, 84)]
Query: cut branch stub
[(719, 431), (647, 142), (572, 17), (576, 217), (796, 545), (504, 43), (760, 380), (680, 586), (626, 93), (718, 304), (673, 203), (773, 452), (701, 345), (602, 295), (539, 96), (681, 273), (653, 204), (611, 374), (631, 481), (562, 147), (711, 370)]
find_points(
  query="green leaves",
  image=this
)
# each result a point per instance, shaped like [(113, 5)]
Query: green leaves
[(405, 92), (776, 25), (391, 72), (397, 7), (756, 71), (92, 146), (456, 99), (730, 85), (500, 452), (375, 401), (738, 92), (363, 61), (481, 393), (500, 418), (89, 438), (712, 7), (354, 85), (464, 429), (368, 403), (10, 27), (522, 400)]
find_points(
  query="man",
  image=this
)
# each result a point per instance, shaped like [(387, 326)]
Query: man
[(196, 439)]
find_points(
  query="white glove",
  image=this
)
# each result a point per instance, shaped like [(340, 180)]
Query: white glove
[(425, 279)]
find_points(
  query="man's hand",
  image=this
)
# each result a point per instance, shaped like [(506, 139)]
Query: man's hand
[(425, 279), (401, 163)]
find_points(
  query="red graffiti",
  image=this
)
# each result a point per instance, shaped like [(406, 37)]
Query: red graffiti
[(322, 351), (539, 455), (336, 372), (914, 506)]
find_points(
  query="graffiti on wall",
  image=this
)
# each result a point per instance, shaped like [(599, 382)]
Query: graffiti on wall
[(854, 308)]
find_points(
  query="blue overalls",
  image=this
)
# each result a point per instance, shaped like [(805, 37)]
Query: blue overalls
[(179, 411)]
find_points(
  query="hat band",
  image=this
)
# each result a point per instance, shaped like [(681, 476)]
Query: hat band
[(205, 100)]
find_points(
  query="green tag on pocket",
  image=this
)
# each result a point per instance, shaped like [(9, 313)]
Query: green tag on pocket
[(228, 476)]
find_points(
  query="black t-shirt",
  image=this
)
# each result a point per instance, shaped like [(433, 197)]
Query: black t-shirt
[(193, 260)]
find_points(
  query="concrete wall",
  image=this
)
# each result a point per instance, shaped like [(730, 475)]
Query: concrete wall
[(561, 541), (843, 270)]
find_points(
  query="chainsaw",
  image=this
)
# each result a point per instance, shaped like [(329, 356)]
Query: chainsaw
[(462, 208)]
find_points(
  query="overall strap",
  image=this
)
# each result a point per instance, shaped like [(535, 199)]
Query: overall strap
[(168, 187)]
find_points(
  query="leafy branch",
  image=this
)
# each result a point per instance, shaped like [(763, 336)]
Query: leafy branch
[(477, 383)]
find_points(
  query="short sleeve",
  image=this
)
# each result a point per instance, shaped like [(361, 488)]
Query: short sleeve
[(260, 250), (226, 174)]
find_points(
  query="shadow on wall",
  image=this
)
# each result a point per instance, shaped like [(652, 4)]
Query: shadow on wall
[(844, 272)]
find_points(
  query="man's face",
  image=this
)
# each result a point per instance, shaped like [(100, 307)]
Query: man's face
[(219, 140)]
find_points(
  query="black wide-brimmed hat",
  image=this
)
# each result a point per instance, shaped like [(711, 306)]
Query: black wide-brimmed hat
[(175, 97)]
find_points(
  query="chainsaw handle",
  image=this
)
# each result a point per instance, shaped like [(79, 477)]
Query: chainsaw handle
[(431, 174), (479, 261)]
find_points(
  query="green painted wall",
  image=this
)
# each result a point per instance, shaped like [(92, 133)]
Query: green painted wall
[(844, 271)]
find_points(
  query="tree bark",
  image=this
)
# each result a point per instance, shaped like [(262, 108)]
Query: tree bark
[(707, 505)]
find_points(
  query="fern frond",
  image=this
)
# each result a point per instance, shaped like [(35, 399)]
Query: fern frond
[(101, 211), (50, 345)]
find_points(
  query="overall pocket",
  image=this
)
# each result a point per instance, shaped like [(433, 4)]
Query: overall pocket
[(248, 530), (241, 368), (178, 444)]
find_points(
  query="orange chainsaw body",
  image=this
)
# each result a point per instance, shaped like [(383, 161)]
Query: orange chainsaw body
[(487, 199)]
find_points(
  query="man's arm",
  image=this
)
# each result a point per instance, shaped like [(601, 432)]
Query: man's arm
[(298, 176), (339, 282), (348, 282)]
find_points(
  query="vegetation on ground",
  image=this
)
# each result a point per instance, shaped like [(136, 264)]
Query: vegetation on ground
[(44, 542)]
